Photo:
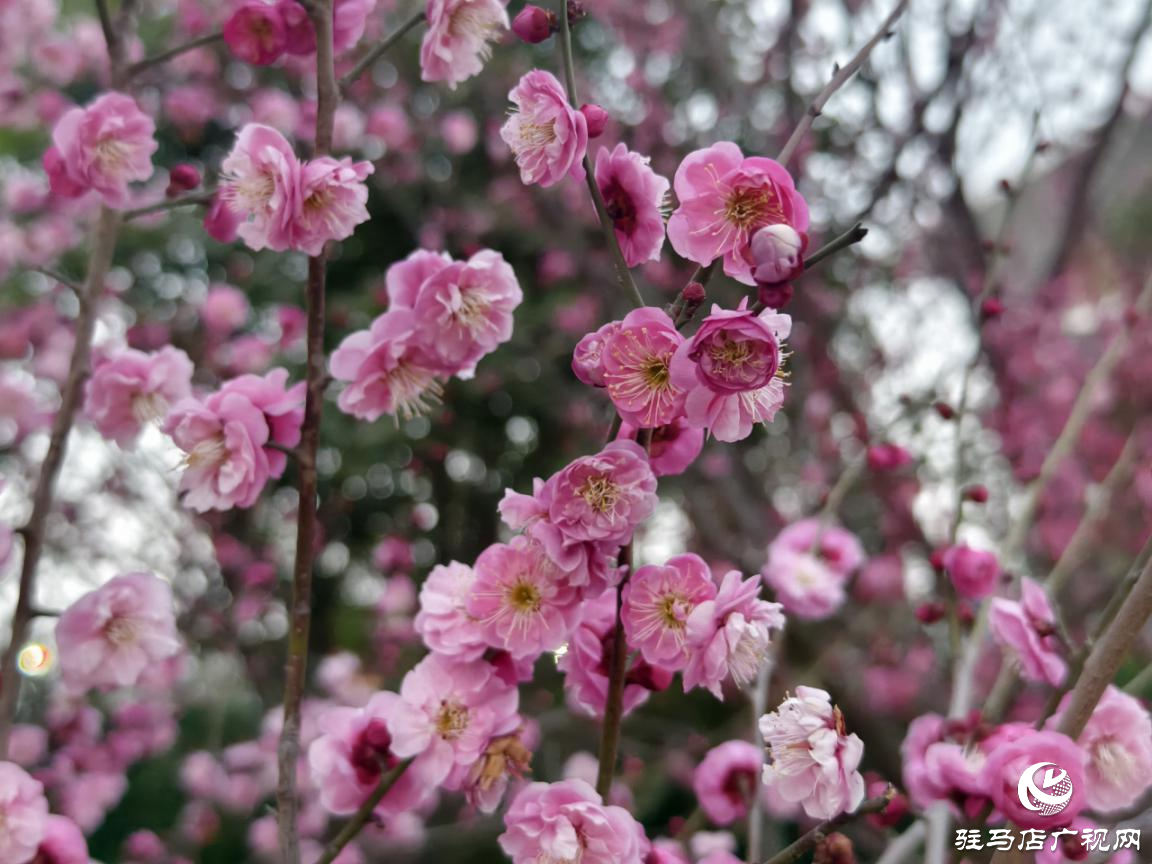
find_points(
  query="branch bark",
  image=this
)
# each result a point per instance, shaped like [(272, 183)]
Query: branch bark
[(379, 51)]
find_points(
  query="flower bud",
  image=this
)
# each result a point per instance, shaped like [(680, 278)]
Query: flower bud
[(597, 119), (945, 410), (533, 25), (777, 252), (182, 178), (991, 308), (887, 457), (977, 493), (930, 613)]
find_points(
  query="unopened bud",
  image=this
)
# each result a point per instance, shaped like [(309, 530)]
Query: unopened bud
[(597, 119), (777, 254), (182, 178), (533, 25)]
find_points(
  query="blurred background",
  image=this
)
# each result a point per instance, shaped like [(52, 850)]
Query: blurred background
[(993, 149)]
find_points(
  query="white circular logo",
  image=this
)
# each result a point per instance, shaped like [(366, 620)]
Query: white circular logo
[(1048, 796)]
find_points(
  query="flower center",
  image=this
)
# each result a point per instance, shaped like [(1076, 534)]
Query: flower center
[(207, 453), (452, 720), (534, 135), (371, 753), (148, 407), (111, 153), (749, 207), (673, 611), (121, 631), (621, 208), (655, 371), (601, 493), (414, 389), (524, 597), (470, 23)]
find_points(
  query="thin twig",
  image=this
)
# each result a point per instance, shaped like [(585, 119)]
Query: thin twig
[(849, 238), (171, 204), (623, 271), (815, 836), (362, 816), (300, 611), (164, 56), (379, 50), (839, 79), (72, 286)]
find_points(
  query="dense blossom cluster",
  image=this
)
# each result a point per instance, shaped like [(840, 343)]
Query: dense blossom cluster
[(570, 588)]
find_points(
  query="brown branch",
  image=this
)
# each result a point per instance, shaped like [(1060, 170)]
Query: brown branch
[(815, 836), (1107, 655), (72, 286), (379, 50), (839, 79), (617, 673), (164, 56), (300, 610), (362, 816), (103, 246), (171, 204), (849, 238)]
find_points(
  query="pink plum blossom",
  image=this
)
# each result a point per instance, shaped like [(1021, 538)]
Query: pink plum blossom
[(672, 448), (101, 148), (131, 388), (404, 279), (23, 814), (386, 369), (657, 602), (548, 137), (63, 843), (727, 779), (808, 567), (728, 370), (637, 357), (1006, 764), (1118, 745), (586, 662), (1027, 629), (443, 621), (355, 749), (633, 196), (973, 572), (588, 356), (260, 185), (256, 33), (115, 634), (725, 198), (226, 438), (729, 636), (457, 41), (812, 759), (225, 309), (835, 546), (332, 202), (521, 599), (466, 310), (448, 711), (568, 821)]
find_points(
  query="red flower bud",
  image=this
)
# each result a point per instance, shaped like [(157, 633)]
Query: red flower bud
[(991, 308), (533, 24), (930, 613), (597, 119), (977, 493), (887, 457), (182, 178), (944, 410)]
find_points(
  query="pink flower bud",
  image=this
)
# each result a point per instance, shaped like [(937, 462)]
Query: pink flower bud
[(597, 119), (991, 308), (977, 494), (533, 25), (887, 457), (930, 613), (777, 254), (182, 178), (974, 573), (220, 223)]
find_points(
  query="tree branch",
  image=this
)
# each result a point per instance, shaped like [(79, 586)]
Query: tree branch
[(203, 198), (849, 238), (164, 56), (816, 835), (379, 50), (839, 79), (362, 816)]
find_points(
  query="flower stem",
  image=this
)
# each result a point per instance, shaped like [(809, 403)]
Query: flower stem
[(300, 610), (164, 56)]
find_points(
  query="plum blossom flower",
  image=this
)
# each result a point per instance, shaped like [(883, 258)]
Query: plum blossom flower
[(727, 779), (725, 198), (226, 438), (1007, 762), (548, 137), (588, 356), (657, 602), (386, 369), (730, 370), (115, 634), (521, 600), (633, 195), (448, 711), (485, 781), (443, 621), (131, 388), (101, 148), (586, 663), (260, 184), (637, 359), (466, 310), (1027, 628), (353, 753), (808, 567), (404, 279), (23, 814), (1118, 745), (63, 843), (568, 821), (332, 201), (729, 636), (811, 757), (605, 496), (672, 447), (458, 39), (777, 253), (256, 33), (973, 572)]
